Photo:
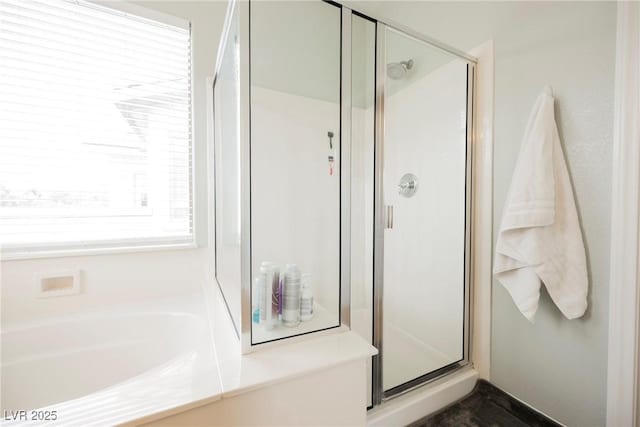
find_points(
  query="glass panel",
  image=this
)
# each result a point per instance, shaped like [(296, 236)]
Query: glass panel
[(295, 173), (363, 57), (424, 183), (227, 173)]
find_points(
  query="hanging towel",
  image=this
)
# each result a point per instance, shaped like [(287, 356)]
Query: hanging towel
[(539, 240)]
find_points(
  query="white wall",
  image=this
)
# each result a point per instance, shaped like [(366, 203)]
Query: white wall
[(295, 203), (106, 281), (123, 278), (556, 365), (425, 134)]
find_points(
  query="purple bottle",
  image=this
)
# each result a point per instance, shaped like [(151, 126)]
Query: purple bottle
[(280, 296)]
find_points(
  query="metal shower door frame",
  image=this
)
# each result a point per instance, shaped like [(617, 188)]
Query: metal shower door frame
[(379, 394)]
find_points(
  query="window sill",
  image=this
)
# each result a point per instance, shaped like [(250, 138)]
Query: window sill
[(26, 253)]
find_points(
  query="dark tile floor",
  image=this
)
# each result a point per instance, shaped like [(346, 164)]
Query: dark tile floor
[(486, 406)]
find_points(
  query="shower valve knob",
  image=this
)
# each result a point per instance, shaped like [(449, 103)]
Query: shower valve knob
[(408, 185)]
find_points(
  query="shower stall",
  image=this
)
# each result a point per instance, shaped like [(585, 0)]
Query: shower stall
[(342, 160)]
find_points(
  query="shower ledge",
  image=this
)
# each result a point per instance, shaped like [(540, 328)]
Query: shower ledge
[(279, 362)]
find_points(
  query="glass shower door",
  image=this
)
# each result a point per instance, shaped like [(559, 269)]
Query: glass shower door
[(424, 192)]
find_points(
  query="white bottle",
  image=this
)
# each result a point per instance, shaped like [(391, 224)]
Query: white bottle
[(291, 296), (306, 298), (264, 290)]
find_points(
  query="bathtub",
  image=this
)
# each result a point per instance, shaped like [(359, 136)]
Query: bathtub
[(176, 362), (108, 368)]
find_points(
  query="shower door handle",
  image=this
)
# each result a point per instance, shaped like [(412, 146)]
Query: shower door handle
[(388, 217)]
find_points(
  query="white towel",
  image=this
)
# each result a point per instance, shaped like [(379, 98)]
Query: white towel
[(539, 238)]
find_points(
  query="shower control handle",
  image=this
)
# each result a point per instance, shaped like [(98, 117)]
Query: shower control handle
[(408, 185), (388, 217)]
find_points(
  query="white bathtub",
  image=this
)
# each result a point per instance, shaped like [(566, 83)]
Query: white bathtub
[(108, 368), (169, 363)]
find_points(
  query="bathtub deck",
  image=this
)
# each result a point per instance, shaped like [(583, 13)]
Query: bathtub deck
[(204, 369)]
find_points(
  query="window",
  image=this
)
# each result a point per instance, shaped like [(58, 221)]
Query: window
[(95, 133)]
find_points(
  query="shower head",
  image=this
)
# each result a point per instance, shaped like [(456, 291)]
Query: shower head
[(398, 70)]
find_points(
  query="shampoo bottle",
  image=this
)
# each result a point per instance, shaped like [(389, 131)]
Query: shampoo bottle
[(291, 296), (264, 290), (306, 298)]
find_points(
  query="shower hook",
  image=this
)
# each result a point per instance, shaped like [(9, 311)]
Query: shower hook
[(330, 135)]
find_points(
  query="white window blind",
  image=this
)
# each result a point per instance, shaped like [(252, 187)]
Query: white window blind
[(95, 127)]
